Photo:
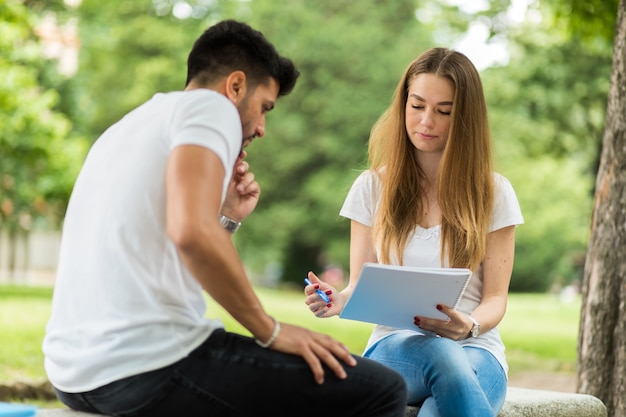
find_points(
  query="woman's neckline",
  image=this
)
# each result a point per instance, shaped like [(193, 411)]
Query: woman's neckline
[(428, 228)]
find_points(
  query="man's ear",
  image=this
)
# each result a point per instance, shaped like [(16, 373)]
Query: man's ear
[(236, 86)]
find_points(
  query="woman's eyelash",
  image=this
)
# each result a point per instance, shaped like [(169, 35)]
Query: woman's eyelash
[(447, 113)]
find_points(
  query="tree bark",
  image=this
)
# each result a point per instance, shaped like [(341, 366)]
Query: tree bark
[(602, 338)]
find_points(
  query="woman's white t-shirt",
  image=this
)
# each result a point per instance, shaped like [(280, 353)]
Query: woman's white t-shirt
[(423, 250), (124, 303)]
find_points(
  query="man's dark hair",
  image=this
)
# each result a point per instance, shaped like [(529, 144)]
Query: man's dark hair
[(234, 46)]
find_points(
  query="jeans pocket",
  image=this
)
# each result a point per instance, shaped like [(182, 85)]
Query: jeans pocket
[(180, 397)]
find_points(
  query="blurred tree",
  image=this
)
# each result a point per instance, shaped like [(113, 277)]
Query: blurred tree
[(37, 167), (547, 114), (317, 137), (585, 19), (130, 51), (544, 108)]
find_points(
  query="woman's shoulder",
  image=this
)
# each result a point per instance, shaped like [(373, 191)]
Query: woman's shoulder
[(507, 209), (501, 183), (368, 178), (366, 186), (497, 178)]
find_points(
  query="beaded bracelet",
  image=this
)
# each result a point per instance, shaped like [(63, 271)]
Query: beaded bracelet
[(272, 337)]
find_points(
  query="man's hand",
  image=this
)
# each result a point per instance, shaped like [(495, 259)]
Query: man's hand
[(315, 348), (243, 192)]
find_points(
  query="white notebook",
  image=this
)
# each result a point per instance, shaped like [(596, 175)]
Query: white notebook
[(393, 295)]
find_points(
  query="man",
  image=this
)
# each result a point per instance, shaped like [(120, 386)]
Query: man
[(147, 229)]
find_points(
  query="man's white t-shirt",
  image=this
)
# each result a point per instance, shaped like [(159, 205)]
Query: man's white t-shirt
[(423, 250), (124, 303)]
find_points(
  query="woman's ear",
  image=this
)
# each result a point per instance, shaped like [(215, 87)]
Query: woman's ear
[(236, 86)]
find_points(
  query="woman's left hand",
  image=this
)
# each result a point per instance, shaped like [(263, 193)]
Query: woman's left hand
[(457, 327)]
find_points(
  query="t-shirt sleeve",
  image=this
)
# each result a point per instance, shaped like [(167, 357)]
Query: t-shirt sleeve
[(361, 202), (506, 209), (208, 119)]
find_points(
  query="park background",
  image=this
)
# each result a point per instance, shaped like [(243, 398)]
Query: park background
[(69, 69)]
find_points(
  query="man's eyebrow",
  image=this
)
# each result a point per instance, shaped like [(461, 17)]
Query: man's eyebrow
[(441, 103)]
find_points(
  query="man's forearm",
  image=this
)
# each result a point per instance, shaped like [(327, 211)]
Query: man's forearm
[(214, 262)]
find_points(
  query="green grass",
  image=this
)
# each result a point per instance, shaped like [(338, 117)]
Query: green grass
[(23, 315), (288, 306), (540, 331)]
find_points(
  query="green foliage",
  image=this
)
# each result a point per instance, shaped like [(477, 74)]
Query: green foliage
[(564, 92), (317, 136), (38, 164), (550, 247), (586, 19), (547, 115), (131, 50), (128, 54), (546, 111)]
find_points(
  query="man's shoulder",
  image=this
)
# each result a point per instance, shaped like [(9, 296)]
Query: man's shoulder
[(200, 100), (198, 95)]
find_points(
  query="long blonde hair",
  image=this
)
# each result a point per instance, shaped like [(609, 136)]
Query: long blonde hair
[(465, 180)]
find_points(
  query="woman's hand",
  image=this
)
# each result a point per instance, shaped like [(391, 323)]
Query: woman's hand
[(318, 306), (457, 327)]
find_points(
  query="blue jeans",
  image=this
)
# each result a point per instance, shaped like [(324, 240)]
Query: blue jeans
[(448, 380), (229, 375)]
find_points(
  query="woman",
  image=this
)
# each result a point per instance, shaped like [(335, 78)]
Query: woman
[(431, 199)]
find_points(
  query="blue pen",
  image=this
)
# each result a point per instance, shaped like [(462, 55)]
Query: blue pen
[(319, 292)]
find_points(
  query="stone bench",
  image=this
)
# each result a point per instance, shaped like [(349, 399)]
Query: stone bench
[(523, 402), (520, 402)]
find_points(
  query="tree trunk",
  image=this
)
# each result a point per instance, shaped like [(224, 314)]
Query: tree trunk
[(602, 338), (12, 260), (26, 261)]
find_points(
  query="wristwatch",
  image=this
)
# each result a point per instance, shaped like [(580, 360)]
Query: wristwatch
[(475, 330), (229, 224)]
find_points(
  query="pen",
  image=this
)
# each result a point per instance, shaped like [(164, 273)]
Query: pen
[(319, 292)]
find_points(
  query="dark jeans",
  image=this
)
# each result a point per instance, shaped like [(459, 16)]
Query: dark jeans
[(229, 375)]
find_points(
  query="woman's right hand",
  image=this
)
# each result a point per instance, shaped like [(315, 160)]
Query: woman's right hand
[(318, 306)]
